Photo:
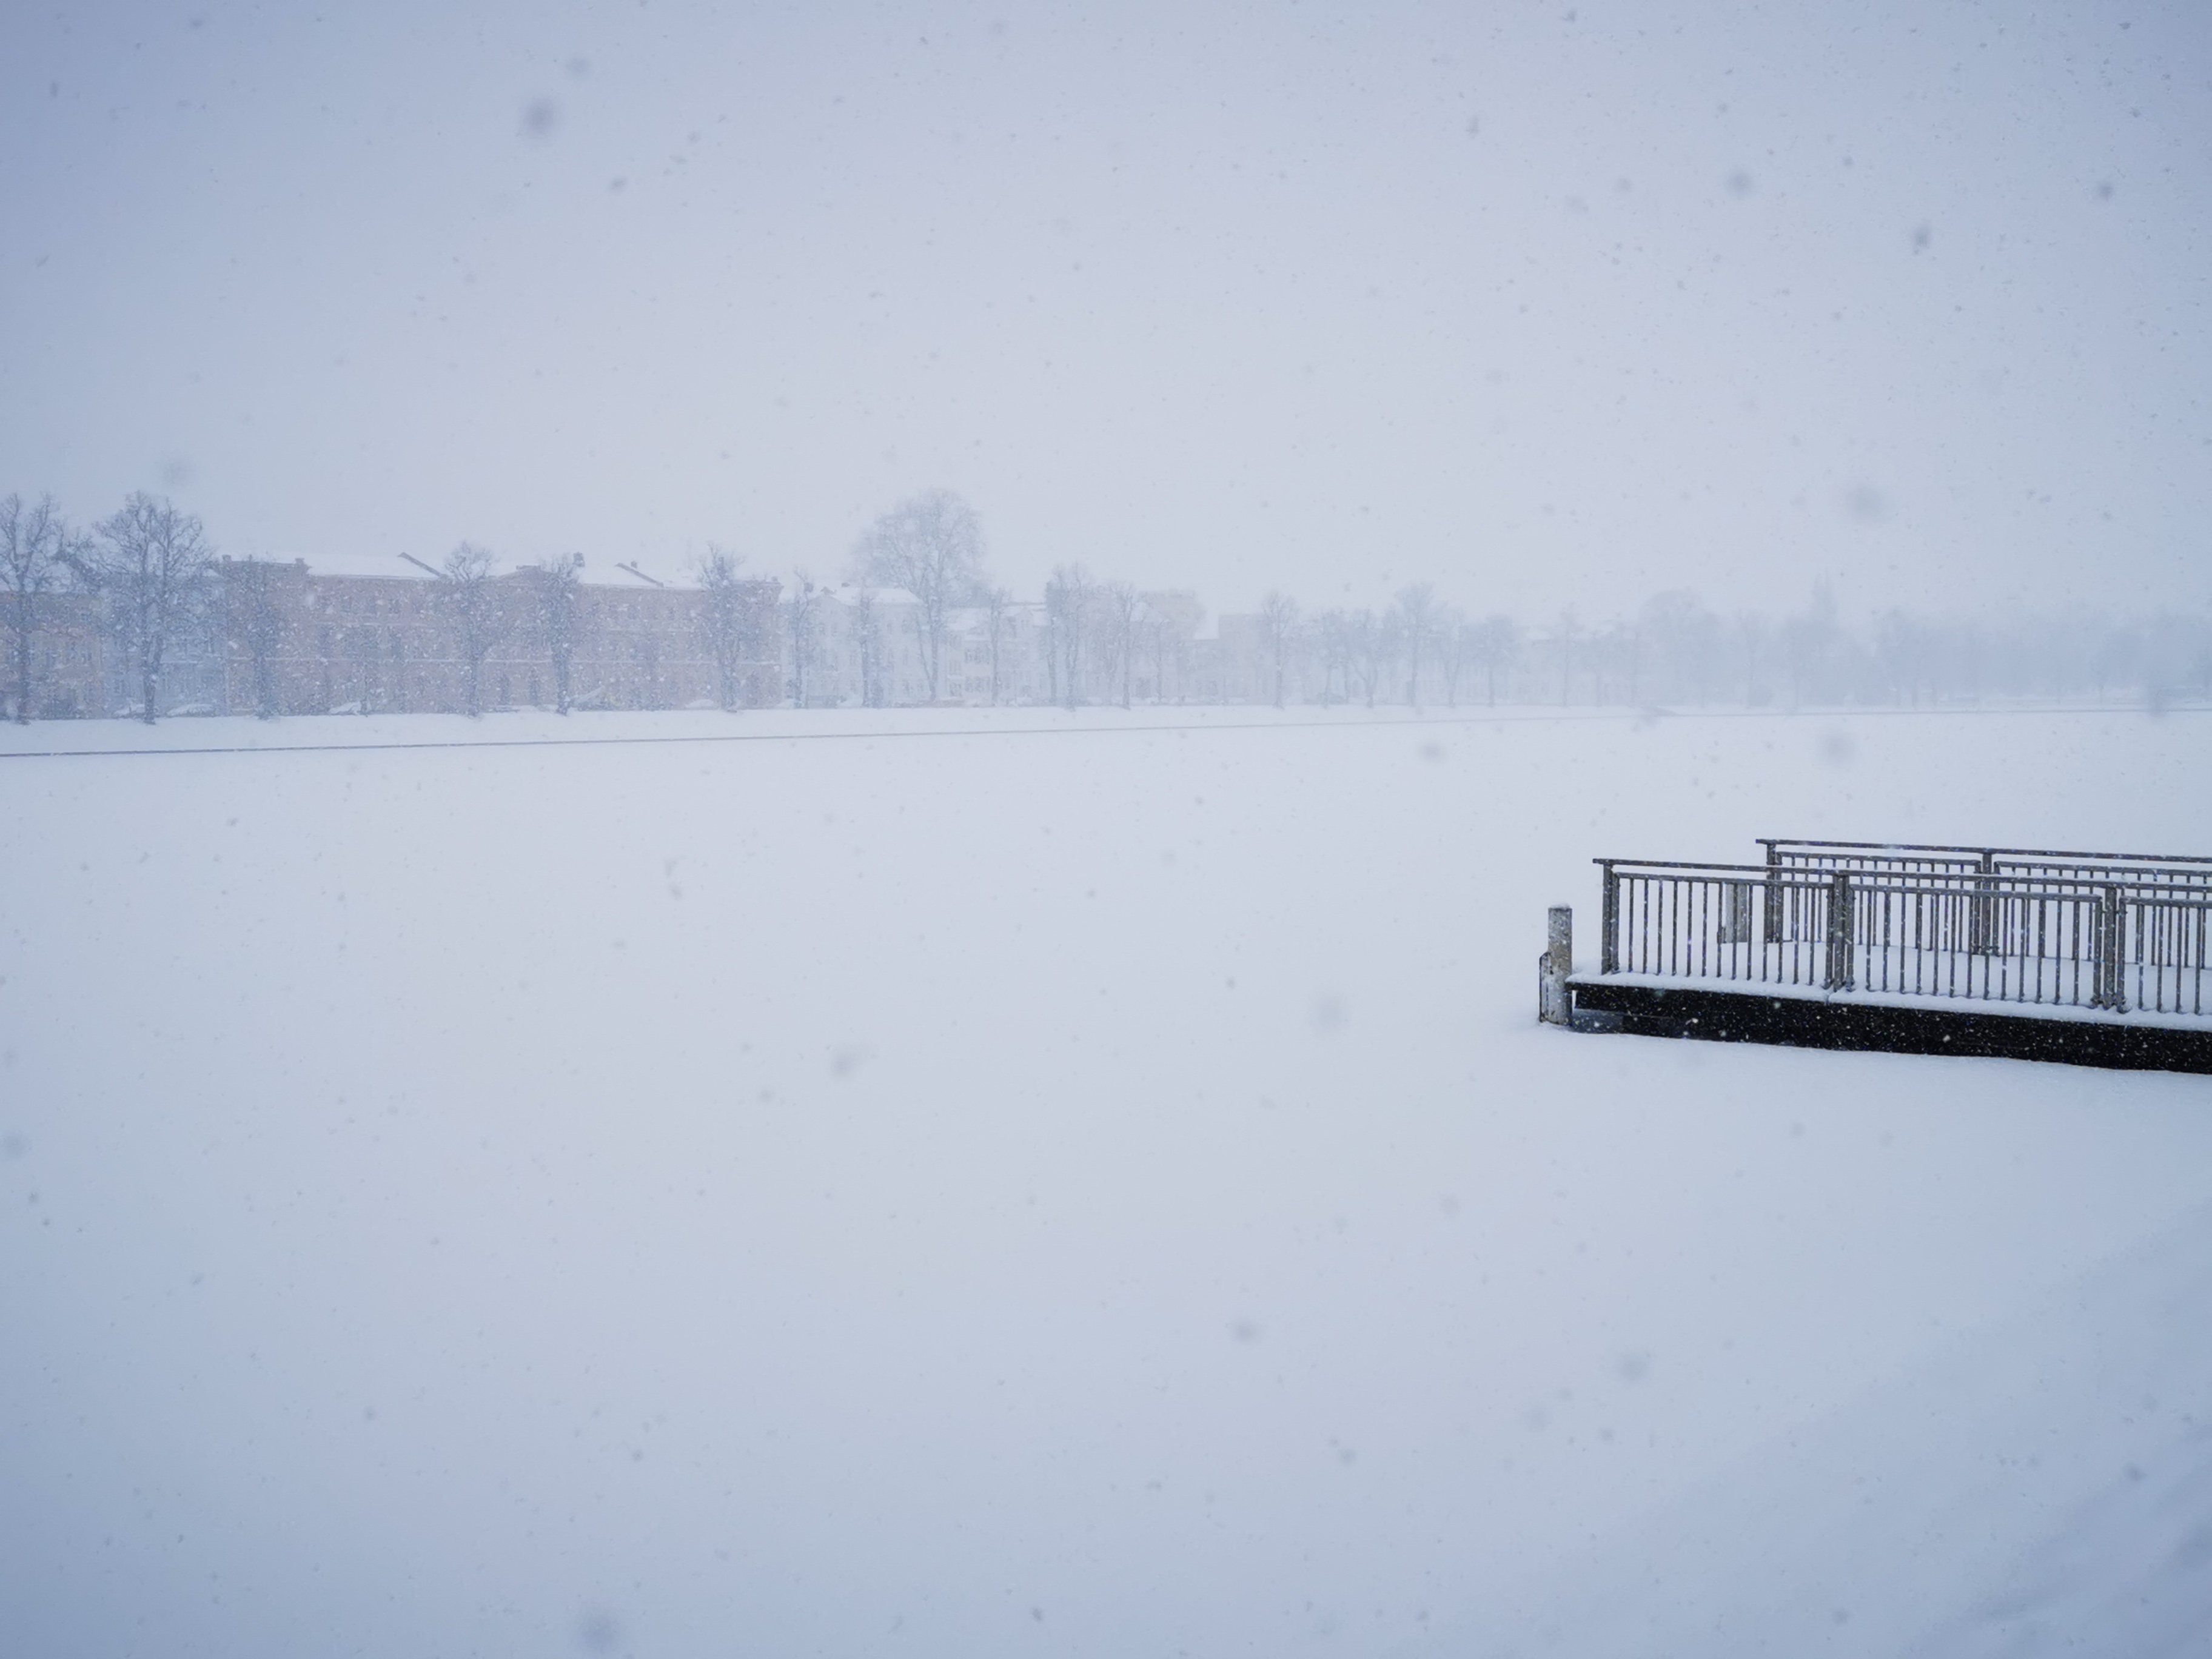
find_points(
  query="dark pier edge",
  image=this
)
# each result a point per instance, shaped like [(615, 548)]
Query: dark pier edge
[(1801, 1023)]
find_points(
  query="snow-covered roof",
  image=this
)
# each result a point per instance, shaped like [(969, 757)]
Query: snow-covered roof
[(637, 573), (601, 572), (355, 564)]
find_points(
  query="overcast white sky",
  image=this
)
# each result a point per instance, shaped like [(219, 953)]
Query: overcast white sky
[(1547, 303)]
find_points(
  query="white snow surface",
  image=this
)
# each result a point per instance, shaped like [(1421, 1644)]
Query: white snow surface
[(1030, 1183)]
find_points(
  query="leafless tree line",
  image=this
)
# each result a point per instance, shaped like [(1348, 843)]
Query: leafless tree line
[(155, 580), (1676, 650), (1418, 649)]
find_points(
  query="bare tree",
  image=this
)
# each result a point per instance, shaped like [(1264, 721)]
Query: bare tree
[(1752, 632), (805, 641), (1154, 633), (1172, 619), (479, 621), (868, 639), (1570, 628), (560, 620), (1066, 612), (1118, 603), (256, 619), (1496, 642), (1898, 647), (152, 564), (1618, 649), (1810, 642), (1278, 628), (35, 552), (1391, 633), (1417, 622), (1333, 635), (1157, 639), (997, 606), (727, 621), (1455, 650), (932, 547), (1683, 636), (1369, 651)]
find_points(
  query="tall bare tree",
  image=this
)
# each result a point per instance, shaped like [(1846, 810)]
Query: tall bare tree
[(1752, 633), (1899, 646), (1331, 631), (560, 620), (997, 605), (1569, 630), (1417, 624), (471, 600), (1278, 627), (1172, 616), (1622, 646), (868, 645), (933, 546), (1455, 650), (1496, 643), (805, 615), (1371, 648), (1810, 642), (1155, 637), (152, 565), (1685, 636), (34, 552), (1117, 608), (254, 613), (1067, 619), (727, 619)]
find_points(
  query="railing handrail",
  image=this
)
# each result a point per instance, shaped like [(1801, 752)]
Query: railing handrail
[(1756, 875), (1760, 870), (1965, 883), (2056, 855), (2060, 869)]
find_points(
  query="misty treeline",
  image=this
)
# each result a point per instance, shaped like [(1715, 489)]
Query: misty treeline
[(137, 614), (1674, 650)]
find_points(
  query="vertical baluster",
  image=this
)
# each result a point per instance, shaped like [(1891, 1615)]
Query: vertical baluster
[(1919, 938), (1888, 929), (2101, 941), (1643, 923), (1838, 974)]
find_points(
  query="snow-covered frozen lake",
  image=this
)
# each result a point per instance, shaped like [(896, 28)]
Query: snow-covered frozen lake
[(1044, 1188)]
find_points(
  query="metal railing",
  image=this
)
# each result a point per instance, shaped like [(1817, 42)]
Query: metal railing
[(2169, 937), (2142, 869), (2048, 930)]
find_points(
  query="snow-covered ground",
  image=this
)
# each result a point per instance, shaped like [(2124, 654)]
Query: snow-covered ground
[(1002, 1184)]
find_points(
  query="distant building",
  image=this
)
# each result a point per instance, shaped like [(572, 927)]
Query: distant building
[(386, 638), (70, 661), (981, 670), (863, 647)]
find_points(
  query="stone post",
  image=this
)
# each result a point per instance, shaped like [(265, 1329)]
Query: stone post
[(1552, 1004)]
